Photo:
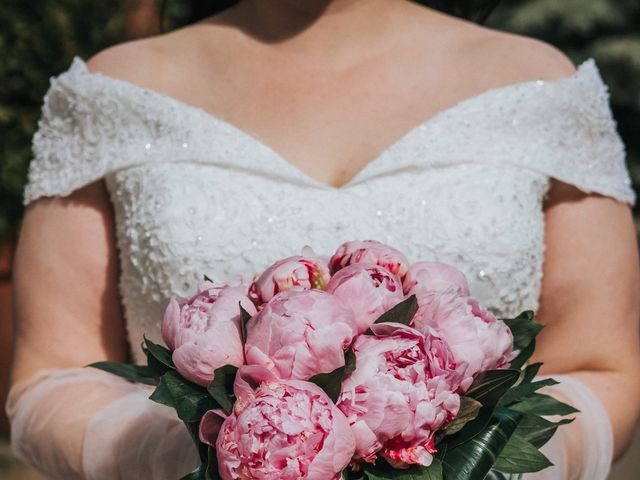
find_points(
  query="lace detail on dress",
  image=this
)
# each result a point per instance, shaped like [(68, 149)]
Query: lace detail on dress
[(195, 195)]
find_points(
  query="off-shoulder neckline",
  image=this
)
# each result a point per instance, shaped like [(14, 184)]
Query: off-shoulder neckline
[(587, 68)]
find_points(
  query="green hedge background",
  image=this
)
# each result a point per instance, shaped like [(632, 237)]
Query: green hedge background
[(38, 39)]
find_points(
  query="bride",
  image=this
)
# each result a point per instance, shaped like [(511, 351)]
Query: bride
[(232, 142)]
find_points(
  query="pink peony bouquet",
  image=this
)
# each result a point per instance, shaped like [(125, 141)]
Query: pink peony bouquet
[(355, 366)]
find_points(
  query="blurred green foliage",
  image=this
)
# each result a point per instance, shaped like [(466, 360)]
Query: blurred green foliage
[(38, 39)]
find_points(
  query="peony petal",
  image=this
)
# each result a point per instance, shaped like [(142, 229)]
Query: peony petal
[(210, 425), (367, 443), (249, 378), (171, 322)]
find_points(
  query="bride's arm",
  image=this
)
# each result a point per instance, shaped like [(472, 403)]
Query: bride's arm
[(68, 421), (67, 305), (590, 306)]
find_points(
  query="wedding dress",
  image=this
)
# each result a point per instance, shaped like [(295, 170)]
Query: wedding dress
[(194, 194)]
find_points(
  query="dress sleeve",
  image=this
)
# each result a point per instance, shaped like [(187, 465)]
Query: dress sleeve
[(566, 130), (92, 125), (66, 143), (588, 438), (85, 424)]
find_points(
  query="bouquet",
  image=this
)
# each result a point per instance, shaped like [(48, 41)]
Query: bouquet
[(355, 366)]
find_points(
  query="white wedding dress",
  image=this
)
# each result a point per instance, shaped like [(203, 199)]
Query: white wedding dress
[(196, 195)]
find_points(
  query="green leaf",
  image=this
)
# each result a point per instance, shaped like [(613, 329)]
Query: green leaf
[(433, 471), (402, 313), (383, 471), (524, 329), (373, 474), (244, 318), (212, 472), (541, 404), (163, 395), (470, 429), (156, 368), (524, 355), (349, 362), (331, 382), (468, 411), (194, 431), (189, 400), (160, 353), (206, 278), (525, 385), (221, 387), (473, 460), (349, 474), (520, 456), (537, 430), (495, 475), (521, 391), (491, 385), (530, 372), (133, 373), (197, 474)]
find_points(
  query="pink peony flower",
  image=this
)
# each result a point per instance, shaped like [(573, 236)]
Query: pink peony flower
[(400, 394), (369, 251), (279, 430), (204, 331), (368, 289), (434, 276), (476, 337), (308, 271), (300, 333)]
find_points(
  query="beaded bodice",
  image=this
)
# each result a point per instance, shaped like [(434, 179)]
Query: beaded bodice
[(196, 195)]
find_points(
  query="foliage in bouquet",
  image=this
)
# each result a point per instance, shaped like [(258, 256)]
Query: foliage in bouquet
[(358, 366)]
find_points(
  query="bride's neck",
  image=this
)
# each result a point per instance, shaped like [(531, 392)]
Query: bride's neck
[(316, 28)]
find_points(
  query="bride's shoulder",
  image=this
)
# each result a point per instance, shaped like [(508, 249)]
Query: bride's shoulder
[(516, 58), (143, 62), (161, 62), (497, 56), (565, 108), (100, 109)]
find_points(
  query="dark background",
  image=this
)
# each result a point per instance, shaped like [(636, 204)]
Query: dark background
[(38, 39)]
